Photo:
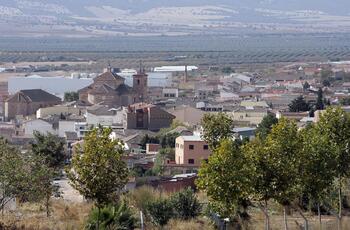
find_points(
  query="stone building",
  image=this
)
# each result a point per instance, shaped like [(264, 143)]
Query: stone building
[(110, 89), (146, 116), (27, 102)]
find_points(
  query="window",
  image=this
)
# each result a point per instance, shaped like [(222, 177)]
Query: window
[(191, 161), (205, 147), (138, 82), (191, 147)]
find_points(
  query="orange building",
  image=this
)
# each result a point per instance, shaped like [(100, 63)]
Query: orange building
[(191, 150)]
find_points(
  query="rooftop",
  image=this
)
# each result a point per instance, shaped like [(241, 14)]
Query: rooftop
[(36, 95), (191, 138)]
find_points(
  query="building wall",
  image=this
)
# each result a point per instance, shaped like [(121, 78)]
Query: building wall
[(170, 93), (104, 120), (152, 148), (140, 85), (158, 119), (22, 108), (183, 153), (250, 117), (65, 126), (37, 125), (150, 118), (56, 110)]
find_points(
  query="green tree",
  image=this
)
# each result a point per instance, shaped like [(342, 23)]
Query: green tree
[(226, 178), (98, 171), (12, 174), (158, 168), (317, 164), (159, 211), (216, 127), (51, 147), (41, 185), (71, 96), (282, 150), (185, 204), (116, 217), (265, 126), (306, 86), (146, 139), (345, 101), (299, 105), (326, 83), (334, 126), (228, 70), (320, 101), (25, 177), (263, 181)]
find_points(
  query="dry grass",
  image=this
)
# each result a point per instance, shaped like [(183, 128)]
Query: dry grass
[(71, 216), (64, 216), (296, 222), (196, 224), (143, 195)]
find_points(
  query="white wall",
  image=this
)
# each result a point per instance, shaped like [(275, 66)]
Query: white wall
[(56, 110), (92, 119), (65, 126), (168, 91), (38, 125), (153, 79)]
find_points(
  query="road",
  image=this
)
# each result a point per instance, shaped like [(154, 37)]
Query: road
[(68, 192)]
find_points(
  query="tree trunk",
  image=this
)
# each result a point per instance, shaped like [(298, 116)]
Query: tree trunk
[(285, 217), (47, 205), (306, 222), (319, 216), (340, 203), (267, 218)]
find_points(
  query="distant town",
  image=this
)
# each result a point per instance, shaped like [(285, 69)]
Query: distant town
[(157, 112)]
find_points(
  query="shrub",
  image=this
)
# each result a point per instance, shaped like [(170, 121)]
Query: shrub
[(160, 211), (185, 204), (118, 217)]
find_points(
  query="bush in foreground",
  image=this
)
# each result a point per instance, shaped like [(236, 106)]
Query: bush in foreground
[(118, 217)]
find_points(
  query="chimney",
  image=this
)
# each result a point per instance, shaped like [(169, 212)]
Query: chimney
[(186, 73)]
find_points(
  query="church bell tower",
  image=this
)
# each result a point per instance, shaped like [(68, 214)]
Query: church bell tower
[(140, 85)]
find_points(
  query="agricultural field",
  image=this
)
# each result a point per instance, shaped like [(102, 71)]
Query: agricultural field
[(202, 50)]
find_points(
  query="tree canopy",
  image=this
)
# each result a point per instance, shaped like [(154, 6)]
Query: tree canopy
[(265, 126), (226, 178), (98, 171), (71, 96), (50, 146), (299, 105), (216, 127)]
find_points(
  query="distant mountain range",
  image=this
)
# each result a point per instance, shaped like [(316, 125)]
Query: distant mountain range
[(170, 17)]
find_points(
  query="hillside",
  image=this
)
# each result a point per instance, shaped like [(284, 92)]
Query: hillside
[(165, 17)]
